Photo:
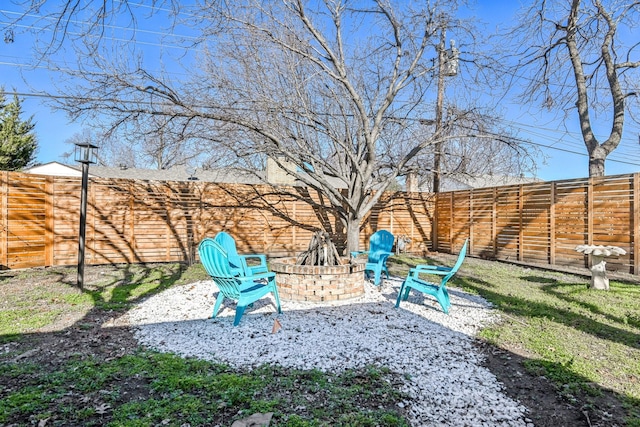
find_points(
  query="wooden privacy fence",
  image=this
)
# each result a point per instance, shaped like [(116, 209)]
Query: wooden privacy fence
[(542, 223), (154, 221)]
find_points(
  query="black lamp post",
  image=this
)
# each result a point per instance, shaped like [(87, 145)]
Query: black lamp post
[(85, 153)]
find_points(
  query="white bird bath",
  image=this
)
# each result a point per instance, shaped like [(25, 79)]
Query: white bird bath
[(599, 279)]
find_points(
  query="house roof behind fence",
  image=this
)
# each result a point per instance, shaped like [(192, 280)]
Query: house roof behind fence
[(180, 173), (176, 173), (236, 176)]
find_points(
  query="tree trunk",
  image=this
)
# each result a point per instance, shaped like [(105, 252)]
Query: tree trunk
[(353, 235), (597, 156), (596, 166)]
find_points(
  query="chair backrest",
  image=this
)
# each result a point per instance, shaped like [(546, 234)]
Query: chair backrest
[(381, 241), (458, 263), (228, 243), (214, 259)]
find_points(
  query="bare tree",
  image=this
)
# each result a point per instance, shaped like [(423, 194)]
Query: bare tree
[(476, 145), (300, 88), (582, 54), (476, 142), (332, 91), (153, 141)]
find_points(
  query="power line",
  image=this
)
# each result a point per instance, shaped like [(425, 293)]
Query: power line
[(577, 140), (110, 38), (551, 147), (164, 9), (66, 70), (493, 134), (75, 21)]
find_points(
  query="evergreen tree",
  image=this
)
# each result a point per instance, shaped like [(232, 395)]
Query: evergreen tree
[(17, 140)]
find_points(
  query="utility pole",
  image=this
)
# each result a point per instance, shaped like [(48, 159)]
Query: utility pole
[(447, 66), (439, 107)]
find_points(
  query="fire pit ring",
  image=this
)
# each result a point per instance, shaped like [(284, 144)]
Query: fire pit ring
[(315, 283)]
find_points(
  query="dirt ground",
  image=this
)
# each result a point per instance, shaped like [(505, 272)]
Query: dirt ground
[(546, 405), (86, 337)]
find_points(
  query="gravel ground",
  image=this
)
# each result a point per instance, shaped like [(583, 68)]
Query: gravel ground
[(441, 369)]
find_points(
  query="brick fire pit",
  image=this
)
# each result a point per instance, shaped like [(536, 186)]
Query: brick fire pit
[(318, 283)]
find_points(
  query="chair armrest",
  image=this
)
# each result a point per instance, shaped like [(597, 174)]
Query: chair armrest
[(257, 276), (249, 270), (354, 254), (378, 257), (249, 281), (261, 257), (429, 269), (432, 269)]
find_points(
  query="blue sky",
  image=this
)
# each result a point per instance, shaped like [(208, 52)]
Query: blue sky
[(559, 138), (52, 128)]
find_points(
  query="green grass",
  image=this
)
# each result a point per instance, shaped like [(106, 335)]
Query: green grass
[(36, 298), (123, 287), (150, 389), (18, 320), (583, 339)]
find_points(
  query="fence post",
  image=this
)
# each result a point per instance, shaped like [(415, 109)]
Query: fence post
[(470, 219), (451, 221), (4, 216), (391, 219), (434, 223), (48, 222), (166, 200), (294, 229), (520, 223), (552, 224), (132, 227), (636, 223), (494, 222), (589, 218)]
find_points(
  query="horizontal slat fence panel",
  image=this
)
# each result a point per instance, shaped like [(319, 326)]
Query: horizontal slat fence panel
[(461, 219), (403, 214), (612, 212), (535, 223), (411, 216), (24, 231), (542, 223), (483, 219), (508, 223), (571, 220), (152, 221)]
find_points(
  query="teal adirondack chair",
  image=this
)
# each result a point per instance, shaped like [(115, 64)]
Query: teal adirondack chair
[(245, 290), (380, 245), (413, 281), (239, 262)]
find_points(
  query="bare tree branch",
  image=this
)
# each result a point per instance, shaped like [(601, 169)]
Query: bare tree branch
[(582, 39)]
